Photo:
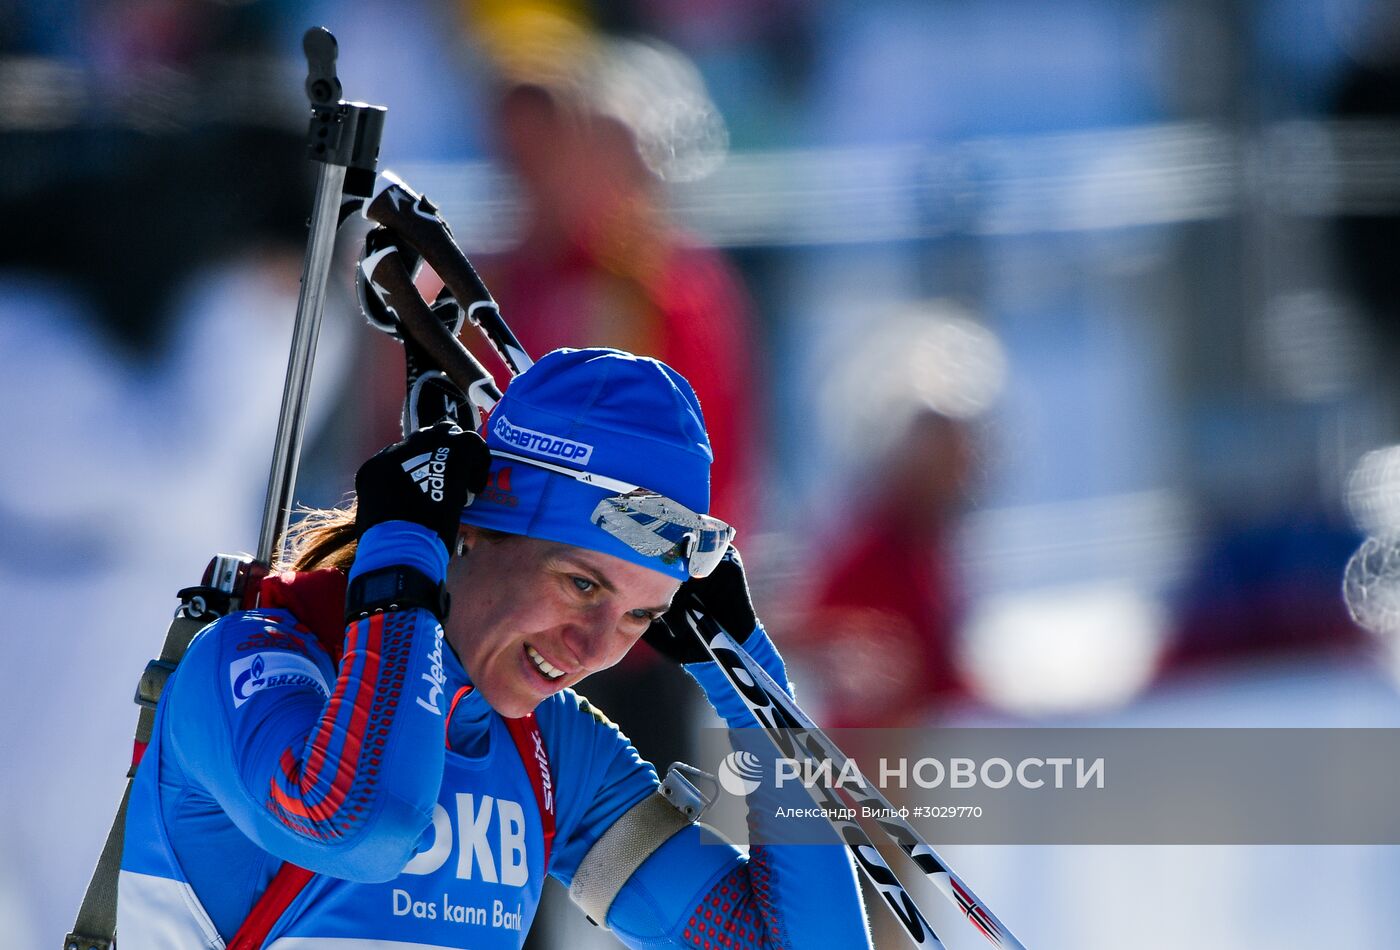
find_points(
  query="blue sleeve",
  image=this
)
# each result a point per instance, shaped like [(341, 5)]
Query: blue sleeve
[(601, 776), (721, 694), (698, 890), (334, 770)]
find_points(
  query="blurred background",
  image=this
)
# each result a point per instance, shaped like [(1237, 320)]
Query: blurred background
[(1046, 349)]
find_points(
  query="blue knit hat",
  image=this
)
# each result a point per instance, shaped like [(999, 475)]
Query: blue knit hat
[(600, 411)]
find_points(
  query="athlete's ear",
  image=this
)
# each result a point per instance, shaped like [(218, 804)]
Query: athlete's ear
[(466, 538)]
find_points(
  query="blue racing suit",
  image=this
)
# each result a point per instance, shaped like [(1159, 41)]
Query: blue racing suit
[(406, 795)]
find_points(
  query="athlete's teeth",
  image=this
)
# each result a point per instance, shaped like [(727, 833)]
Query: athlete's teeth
[(546, 668)]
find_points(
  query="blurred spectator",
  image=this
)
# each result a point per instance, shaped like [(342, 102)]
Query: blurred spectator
[(883, 626), (601, 264), (591, 127), (591, 132), (880, 616)]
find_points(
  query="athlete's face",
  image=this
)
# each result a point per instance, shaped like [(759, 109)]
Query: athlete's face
[(531, 617)]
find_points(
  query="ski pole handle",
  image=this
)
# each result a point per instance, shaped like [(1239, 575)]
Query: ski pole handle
[(390, 279), (417, 222)]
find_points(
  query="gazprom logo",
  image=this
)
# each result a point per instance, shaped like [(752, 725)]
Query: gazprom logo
[(251, 674), (542, 443)]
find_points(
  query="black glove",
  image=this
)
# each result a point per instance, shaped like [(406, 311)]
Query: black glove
[(722, 596), (428, 479)]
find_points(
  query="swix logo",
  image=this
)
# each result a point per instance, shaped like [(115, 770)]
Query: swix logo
[(429, 471), (475, 856), (546, 782), (541, 443), (435, 677), (250, 674)]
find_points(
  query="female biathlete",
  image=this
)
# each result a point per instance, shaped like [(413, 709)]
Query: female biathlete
[(387, 753)]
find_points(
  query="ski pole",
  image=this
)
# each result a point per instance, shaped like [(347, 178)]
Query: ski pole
[(788, 725), (785, 732), (343, 139)]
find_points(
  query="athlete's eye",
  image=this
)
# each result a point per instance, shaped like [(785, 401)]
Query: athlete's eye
[(583, 584), (642, 614)]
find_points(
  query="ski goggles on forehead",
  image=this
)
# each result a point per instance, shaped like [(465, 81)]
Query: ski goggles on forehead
[(647, 522)]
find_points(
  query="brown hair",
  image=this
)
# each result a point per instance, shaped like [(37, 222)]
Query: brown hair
[(326, 537)]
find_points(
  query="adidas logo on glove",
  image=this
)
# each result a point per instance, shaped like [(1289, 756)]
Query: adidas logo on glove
[(427, 471)]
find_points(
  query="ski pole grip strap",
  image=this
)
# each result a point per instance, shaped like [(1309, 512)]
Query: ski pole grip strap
[(615, 857)]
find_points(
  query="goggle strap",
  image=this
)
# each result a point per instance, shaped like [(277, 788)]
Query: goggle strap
[(588, 478), (704, 540)]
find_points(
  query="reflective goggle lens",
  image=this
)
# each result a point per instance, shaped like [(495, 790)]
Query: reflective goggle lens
[(656, 526)]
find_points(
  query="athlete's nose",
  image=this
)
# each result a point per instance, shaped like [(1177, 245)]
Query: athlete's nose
[(591, 641)]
